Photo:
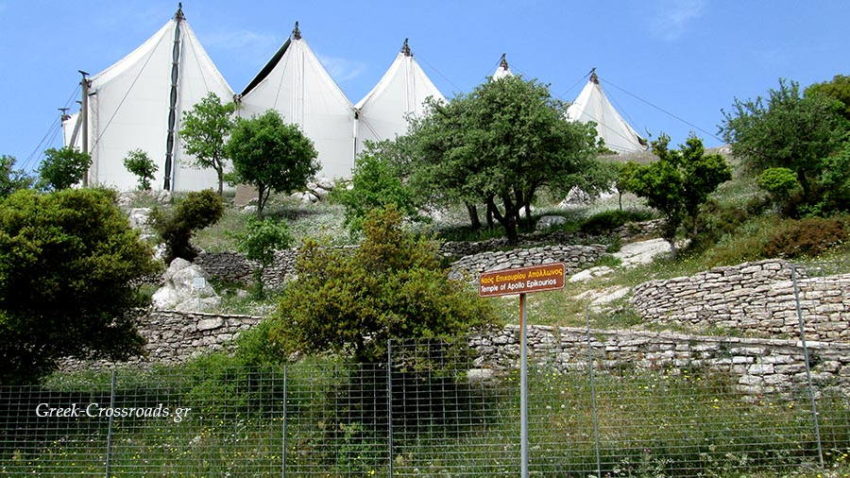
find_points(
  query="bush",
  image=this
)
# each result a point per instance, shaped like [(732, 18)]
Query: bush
[(390, 288), (141, 165), (375, 184), (606, 221), (197, 211), (63, 168), (263, 238), (807, 237), (68, 262)]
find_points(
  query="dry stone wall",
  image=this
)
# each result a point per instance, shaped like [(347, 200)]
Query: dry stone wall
[(235, 267), (756, 366), (174, 337), (756, 297), (574, 257)]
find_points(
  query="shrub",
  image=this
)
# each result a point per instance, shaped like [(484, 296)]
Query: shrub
[(259, 244), (375, 184), (197, 211), (68, 262), (11, 179), (807, 237), (606, 221), (390, 288), (63, 168), (141, 165)]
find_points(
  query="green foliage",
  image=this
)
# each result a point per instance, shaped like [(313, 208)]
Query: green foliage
[(390, 288), (140, 164), (606, 221), (375, 185), (499, 145), (271, 155), (63, 168), (263, 237), (835, 182), (837, 89), (205, 128), (787, 130), (12, 179), (807, 237), (780, 184), (679, 182), (197, 211), (68, 262)]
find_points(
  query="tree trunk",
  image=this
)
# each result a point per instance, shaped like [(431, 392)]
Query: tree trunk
[(490, 207), (261, 200), (473, 216), (508, 220), (620, 198)]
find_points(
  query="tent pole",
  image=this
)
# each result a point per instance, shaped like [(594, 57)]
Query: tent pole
[(84, 118), (172, 110)]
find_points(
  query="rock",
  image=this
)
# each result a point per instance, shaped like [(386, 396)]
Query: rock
[(610, 296), (249, 209), (479, 374), (642, 252), (591, 273), (139, 218), (209, 324), (325, 183), (163, 197), (185, 289), (546, 222)]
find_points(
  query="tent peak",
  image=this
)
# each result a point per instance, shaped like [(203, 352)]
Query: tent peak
[(405, 48), (503, 61), (594, 78), (178, 15), (296, 32)]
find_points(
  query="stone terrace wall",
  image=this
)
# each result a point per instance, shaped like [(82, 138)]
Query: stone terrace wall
[(235, 267), (574, 257), (626, 232), (174, 337), (756, 297), (756, 365)]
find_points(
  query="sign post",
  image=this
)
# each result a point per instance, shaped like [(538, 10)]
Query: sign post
[(522, 281)]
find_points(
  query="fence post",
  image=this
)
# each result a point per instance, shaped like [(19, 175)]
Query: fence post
[(594, 410), (284, 425), (811, 385), (109, 429), (390, 408)]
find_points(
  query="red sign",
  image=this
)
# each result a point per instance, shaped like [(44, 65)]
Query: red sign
[(522, 281)]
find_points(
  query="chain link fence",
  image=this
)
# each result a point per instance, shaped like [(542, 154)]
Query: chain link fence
[(425, 411)]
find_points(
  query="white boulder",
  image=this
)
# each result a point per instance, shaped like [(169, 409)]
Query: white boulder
[(643, 252), (186, 289)]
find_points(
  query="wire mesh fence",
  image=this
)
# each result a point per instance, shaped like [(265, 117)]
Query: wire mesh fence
[(427, 410)]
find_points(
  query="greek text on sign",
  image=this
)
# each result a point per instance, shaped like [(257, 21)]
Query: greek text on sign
[(523, 280)]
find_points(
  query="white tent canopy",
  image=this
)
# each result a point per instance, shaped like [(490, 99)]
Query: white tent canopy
[(382, 114), (130, 107), (295, 83), (593, 105), (503, 70)]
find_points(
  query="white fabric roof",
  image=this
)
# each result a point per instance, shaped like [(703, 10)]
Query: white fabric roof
[(129, 105), (592, 105), (296, 84), (402, 91), (503, 69), (71, 132)]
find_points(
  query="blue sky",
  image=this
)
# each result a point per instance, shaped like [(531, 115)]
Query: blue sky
[(688, 57)]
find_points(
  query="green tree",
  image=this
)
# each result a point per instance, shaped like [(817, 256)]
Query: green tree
[(499, 145), (779, 183), (623, 181), (375, 184), (63, 168), (12, 179), (837, 89), (391, 287), (263, 238), (835, 182), (69, 263), (205, 129), (198, 210), (786, 130), (679, 182), (271, 155), (141, 165)]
